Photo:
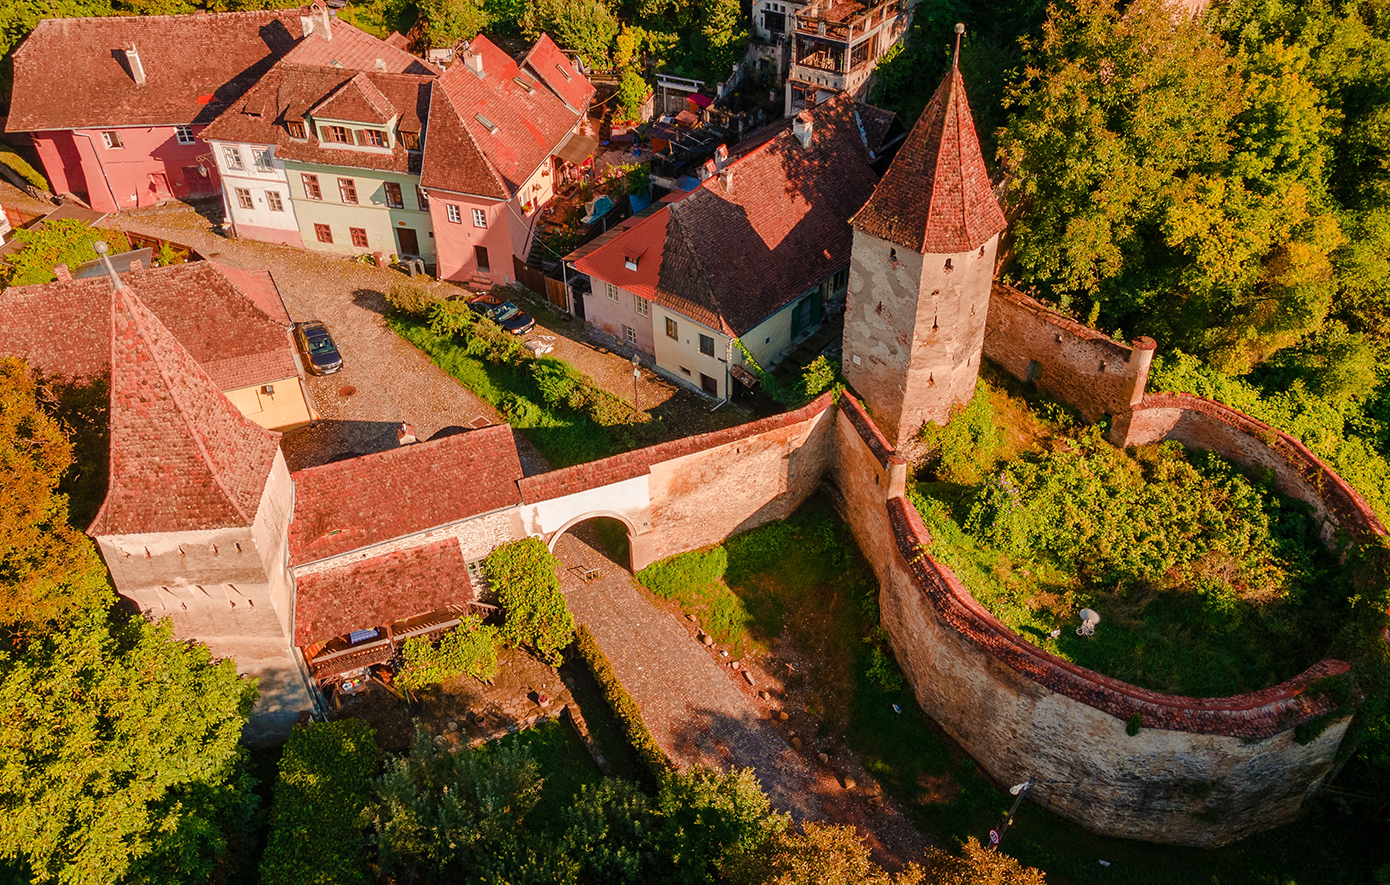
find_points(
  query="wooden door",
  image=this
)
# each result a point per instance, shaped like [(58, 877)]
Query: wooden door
[(709, 385), (409, 242), (480, 253)]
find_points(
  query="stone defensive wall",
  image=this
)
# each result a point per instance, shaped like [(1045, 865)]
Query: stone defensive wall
[(1196, 771)]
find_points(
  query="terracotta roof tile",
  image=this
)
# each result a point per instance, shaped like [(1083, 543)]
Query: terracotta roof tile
[(642, 238), (72, 72), (528, 124), (214, 311), (735, 254), (356, 50), (183, 458), (936, 196), (379, 591), (347, 505), (453, 161), (359, 101)]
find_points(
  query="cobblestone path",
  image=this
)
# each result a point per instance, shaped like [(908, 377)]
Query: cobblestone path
[(689, 704)]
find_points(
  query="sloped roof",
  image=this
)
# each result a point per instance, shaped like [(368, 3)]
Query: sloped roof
[(72, 72), (379, 591), (183, 458), (359, 101), (735, 254), (226, 318), (936, 196), (356, 50), (533, 109), (293, 92), (347, 505), (643, 239)]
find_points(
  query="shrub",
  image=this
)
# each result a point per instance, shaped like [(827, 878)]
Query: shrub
[(316, 821), (415, 298), (679, 575), (624, 708), (818, 376), (632, 94), (967, 447), (64, 241), (470, 649), (522, 574), (976, 864), (22, 168)]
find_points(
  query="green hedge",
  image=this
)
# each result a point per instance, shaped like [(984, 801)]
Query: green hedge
[(523, 575), (624, 708), (316, 821)]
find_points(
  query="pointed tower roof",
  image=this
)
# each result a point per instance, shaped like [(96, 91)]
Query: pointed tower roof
[(183, 458), (936, 197)]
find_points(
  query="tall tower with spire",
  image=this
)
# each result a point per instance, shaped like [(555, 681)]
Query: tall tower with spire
[(921, 271)]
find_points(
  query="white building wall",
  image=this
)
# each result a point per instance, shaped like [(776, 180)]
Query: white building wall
[(261, 222)]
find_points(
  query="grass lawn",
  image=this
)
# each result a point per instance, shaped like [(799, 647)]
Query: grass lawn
[(563, 435), (805, 580)]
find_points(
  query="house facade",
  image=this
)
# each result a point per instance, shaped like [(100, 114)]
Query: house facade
[(744, 264), (244, 140), (116, 106), (490, 167), (835, 47)]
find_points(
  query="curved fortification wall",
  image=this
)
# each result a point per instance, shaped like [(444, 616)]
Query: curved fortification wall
[(1198, 771)]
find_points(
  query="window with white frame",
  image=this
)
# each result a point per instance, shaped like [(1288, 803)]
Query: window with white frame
[(612, 291), (112, 139), (631, 334), (232, 154), (260, 158), (455, 216), (479, 218), (643, 306), (272, 199), (243, 198), (184, 134)]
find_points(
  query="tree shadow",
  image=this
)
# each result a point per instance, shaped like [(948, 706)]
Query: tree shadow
[(371, 299), (332, 439)]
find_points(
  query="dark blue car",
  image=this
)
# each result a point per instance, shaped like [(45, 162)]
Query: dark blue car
[(504, 314), (320, 353)]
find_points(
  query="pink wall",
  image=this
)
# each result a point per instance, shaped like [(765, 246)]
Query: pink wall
[(611, 316), (151, 166), (455, 242)]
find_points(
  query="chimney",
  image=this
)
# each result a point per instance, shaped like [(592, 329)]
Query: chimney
[(405, 435), (137, 69), (474, 60), (801, 128), (381, 65), (726, 179), (707, 169), (62, 273), (721, 156), (322, 9)]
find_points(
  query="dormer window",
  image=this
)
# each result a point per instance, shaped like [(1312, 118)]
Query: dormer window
[(487, 124), (524, 85), (371, 138), (335, 134), (296, 129), (411, 140)]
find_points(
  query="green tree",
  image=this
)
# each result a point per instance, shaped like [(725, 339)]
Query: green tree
[(65, 241), (449, 22), (470, 649), (321, 798), (977, 865), (48, 570), (120, 753), (523, 576), (713, 823), (586, 27), (632, 95), (826, 853), (609, 830)]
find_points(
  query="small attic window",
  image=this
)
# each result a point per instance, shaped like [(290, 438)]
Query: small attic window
[(524, 85), (296, 129), (563, 73), (488, 124), (411, 140), (630, 262)]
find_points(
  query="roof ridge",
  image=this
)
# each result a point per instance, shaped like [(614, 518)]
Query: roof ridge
[(179, 405)]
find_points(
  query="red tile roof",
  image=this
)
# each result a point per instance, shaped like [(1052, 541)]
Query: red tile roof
[(183, 458), (379, 591), (347, 505), (359, 101), (72, 72), (644, 238), (936, 196), (530, 122), (217, 313), (292, 92), (736, 253), (356, 50)]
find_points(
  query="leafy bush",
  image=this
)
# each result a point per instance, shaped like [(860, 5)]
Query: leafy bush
[(522, 574), (967, 447), (632, 95), (624, 708), (417, 298), (316, 821), (818, 377), (470, 649), (976, 864), (675, 577), (21, 167), (63, 241)]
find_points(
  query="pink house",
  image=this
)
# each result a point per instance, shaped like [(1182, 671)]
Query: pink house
[(497, 130), (116, 104)]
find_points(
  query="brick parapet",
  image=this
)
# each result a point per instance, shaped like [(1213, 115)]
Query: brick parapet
[(868, 431), (1254, 715), (629, 465), (1344, 503)]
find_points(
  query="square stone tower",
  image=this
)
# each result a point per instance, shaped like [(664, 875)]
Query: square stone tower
[(921, 271)]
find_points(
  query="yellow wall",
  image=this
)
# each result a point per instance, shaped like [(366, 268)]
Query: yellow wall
[(288, 407)]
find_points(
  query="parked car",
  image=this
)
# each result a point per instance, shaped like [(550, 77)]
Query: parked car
[(320, 353), (504, 314)]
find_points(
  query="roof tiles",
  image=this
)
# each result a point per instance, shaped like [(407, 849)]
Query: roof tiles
[(348, 505), (936, 196)]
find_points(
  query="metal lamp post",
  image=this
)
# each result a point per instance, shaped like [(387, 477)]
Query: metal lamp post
[(636, 376), (997, 836)]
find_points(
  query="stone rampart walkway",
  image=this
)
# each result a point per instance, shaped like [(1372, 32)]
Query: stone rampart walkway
[(692, 709)]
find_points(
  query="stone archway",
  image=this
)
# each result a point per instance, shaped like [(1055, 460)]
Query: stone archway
[(633, 558)]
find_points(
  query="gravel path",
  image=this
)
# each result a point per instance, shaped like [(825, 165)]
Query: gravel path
[(690, 705)]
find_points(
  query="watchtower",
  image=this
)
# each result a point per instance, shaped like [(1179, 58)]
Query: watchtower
[(921, 271)]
